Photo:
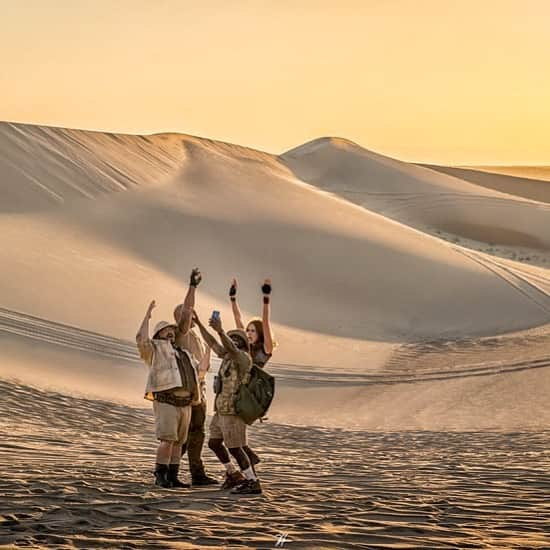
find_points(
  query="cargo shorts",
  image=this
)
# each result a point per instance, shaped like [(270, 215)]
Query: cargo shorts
[(171, 423), (229, 427)]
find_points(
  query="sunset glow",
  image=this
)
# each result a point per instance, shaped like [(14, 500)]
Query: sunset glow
[(427, 81)]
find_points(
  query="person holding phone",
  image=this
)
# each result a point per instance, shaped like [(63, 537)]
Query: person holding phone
[(227, 429)]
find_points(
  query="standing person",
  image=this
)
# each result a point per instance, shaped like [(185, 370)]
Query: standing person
[(172, 385), (260, 337), (191, 342), (227, 428)]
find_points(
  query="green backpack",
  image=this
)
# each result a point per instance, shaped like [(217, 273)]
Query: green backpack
[(254, 397)]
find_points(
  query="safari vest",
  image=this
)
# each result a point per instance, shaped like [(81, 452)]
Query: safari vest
[(164, 373)]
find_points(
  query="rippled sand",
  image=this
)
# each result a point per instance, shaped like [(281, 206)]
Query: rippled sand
[(77, 473)]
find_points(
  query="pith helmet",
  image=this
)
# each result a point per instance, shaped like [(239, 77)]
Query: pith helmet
[(241, 334), (160, 325)]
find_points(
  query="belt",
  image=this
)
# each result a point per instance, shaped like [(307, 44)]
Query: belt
[(171, 399)]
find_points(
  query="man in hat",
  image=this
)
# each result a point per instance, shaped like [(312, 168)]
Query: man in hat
[(227, 429), (172, 385)]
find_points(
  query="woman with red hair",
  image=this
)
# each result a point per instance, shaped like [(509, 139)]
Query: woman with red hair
[(258, 331), (260, 338)]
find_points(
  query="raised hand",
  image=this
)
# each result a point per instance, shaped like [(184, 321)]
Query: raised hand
[(266, 287), (195, 277), (150, 309), (233, 288), (216, 324)]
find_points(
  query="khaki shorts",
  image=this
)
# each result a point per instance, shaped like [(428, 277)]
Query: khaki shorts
[(229, 427), (171, 423)]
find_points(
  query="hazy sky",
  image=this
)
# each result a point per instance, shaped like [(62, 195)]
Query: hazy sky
[(426, 80)]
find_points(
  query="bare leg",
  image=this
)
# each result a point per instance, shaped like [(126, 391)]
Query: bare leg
[(164, 452), (175, 455)]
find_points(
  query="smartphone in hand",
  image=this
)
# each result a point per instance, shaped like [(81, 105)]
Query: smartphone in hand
[(215, 315)]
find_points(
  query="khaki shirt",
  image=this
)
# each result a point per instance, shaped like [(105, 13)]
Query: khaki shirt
[(232, 373), (193, 344)]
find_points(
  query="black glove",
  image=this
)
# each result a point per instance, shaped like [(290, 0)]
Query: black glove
[(196, 277), (266, 289)]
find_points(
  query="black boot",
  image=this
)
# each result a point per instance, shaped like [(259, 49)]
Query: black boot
[(161, 476), (202, 479), (172, 477)]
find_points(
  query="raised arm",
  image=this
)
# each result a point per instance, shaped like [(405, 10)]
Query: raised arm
[(204, 364), (234, 305), (184, 322), (268, 335), (228, 344), (211, 342), (143, 341)]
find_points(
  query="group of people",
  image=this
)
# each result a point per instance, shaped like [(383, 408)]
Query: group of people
[(178, 360)]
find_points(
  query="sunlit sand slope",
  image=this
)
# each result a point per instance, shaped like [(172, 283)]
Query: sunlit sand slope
[(420, 197)]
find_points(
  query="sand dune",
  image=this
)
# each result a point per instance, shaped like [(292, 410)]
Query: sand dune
[(420, 197), (532, 184), (43, 166), (346, 277), (383, 327)]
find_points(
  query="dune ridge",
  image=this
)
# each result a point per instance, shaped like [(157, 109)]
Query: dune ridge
[(522, 171), (44, 166), (415, 195), (530, 183)]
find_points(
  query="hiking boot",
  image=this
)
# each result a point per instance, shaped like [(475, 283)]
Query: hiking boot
[(201, 481), (232, 480), (161, 476), (172, 477), (249, 487)]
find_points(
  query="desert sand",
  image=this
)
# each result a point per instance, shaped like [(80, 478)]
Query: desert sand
[(332, 489), (412, 309)]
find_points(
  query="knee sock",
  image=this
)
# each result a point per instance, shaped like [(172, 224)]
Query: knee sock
[(249, 474)]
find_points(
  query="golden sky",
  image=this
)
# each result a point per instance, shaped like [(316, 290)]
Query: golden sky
[(456, 82)]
